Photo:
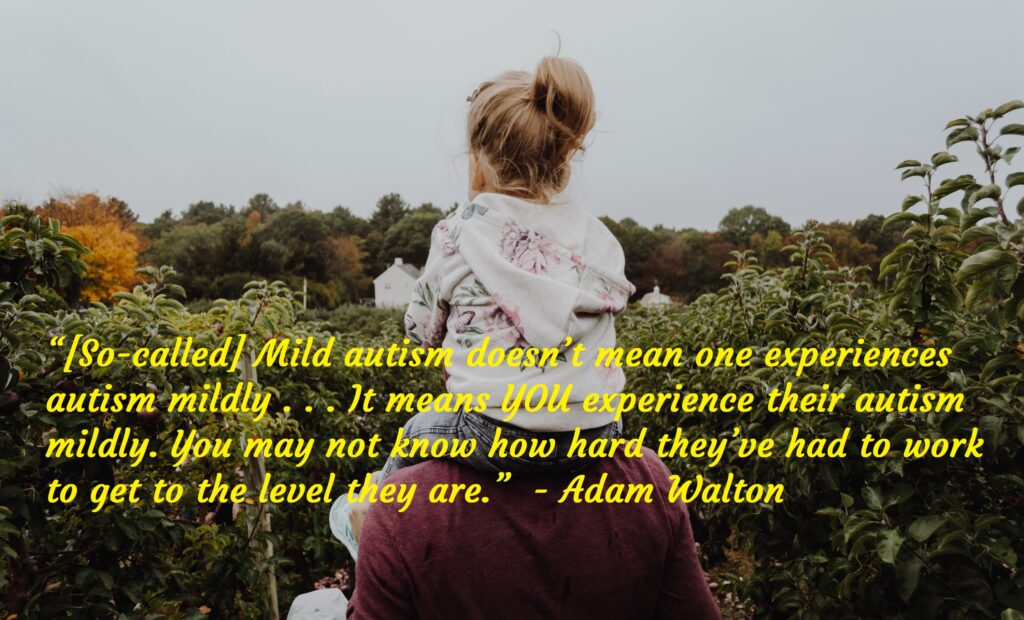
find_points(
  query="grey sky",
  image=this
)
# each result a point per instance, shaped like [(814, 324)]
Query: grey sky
[(800, 107)]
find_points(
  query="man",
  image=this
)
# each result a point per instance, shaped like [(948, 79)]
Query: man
[(523, 555)]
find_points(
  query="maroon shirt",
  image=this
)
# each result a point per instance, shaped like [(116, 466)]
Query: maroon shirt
[(523, 555)]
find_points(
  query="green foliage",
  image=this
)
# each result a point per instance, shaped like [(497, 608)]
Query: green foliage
[(688, 263), (885, 537), (368, 321), (169, 560), (410, 237), (36, 258), (216, 250), (855, 538), (740, 223)]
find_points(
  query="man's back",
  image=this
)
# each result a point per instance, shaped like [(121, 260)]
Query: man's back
[(523, 555)]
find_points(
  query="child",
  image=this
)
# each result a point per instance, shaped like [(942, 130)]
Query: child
[(519, 267)]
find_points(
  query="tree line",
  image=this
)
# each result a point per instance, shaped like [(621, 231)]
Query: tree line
[(217, 248)]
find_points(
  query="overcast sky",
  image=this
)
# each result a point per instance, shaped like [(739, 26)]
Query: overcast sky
[(800, 107)]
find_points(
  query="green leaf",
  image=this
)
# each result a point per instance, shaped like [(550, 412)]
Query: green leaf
[(974, 215), (996, 363), (895, 218), (942, 157), (1015, 129), (986, 521), (984, 262), (889, 546), (977, 232), (988, 191), (872, 497), (1017, 178), (949, 186), (1007, 107), (910, 201), (960, 122), (908, 163), (966, 134), (907, 575), (917, 171), (923, 528)]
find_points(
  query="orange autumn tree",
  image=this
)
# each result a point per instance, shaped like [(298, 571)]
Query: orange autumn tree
[(108, 228)]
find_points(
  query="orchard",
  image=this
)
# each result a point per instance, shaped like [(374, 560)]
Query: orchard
[(855, 538)]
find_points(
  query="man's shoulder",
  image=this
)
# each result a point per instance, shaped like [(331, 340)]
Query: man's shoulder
[(648, 468), (653, 465)]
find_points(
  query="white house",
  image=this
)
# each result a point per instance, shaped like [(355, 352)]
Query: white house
[(655, 298), (393, 288)]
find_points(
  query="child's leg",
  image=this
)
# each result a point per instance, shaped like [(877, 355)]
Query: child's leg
[(429, 425)]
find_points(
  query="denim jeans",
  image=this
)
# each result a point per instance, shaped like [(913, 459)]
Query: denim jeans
[(431, 425)]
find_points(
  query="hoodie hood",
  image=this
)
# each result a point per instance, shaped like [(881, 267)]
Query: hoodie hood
[(554, 270), (504, 273)]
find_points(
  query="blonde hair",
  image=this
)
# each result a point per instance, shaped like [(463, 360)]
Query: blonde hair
[(524, 128)]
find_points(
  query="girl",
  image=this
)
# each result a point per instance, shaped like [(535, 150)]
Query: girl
[(518, 266)]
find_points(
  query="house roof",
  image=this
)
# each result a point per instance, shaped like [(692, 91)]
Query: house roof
[(409, 269), (655, 297), (399, 265)]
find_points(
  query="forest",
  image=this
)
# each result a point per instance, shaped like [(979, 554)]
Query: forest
[(216, 249)]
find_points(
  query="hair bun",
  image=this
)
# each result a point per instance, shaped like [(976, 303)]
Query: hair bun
[(525, 128), (562, 92)]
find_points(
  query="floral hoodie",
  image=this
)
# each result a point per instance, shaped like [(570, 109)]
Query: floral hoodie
[(523, 275)]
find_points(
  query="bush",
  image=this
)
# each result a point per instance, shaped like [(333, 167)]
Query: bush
[(879, 538), (367, 321), (171, 560)]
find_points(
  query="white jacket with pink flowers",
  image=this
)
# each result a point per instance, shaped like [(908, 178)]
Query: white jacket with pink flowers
[(523, 275)]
